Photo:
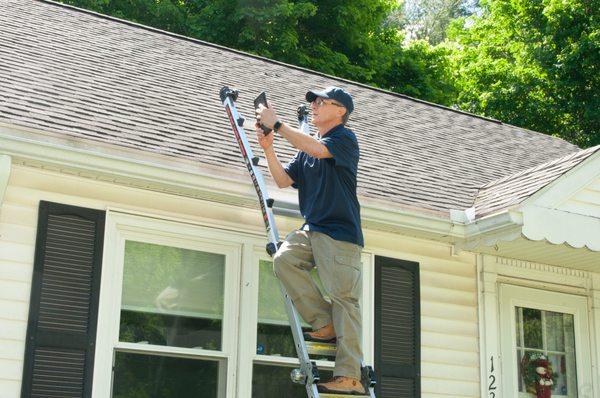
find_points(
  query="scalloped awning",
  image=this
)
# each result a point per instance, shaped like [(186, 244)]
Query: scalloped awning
[(555, 213)]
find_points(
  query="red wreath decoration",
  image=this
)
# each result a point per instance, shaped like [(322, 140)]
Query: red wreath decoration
[(537, 374)]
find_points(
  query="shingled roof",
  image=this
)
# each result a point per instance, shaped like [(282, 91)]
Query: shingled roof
[(88, 76), (515, 188)]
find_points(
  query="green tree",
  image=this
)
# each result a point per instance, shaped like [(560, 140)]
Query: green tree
[(429, 19), (420, 70), (532, 63)]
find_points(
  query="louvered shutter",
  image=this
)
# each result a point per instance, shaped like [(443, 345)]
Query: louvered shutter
[(61, 332), (397, 331)]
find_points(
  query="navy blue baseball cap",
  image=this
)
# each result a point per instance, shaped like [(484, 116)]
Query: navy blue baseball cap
[(335, 93)]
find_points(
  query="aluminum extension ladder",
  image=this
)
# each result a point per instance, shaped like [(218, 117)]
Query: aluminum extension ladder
[(307, 374)]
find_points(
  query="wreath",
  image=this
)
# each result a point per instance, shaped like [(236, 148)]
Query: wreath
[(537, 374)]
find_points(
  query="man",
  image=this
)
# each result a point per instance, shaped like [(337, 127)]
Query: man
[(324, 172)]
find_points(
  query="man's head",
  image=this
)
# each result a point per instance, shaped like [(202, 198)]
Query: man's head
[(330, 107)]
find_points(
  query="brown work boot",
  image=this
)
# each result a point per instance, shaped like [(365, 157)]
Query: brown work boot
[(324, 335), (342, 385)]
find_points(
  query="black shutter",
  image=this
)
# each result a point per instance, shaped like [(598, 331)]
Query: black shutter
[(61, 332), (397, 328)]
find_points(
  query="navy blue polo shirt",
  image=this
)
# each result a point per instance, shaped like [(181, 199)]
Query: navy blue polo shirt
[(327, 187)]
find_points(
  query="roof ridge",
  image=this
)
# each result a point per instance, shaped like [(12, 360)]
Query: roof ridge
[(311, 71)]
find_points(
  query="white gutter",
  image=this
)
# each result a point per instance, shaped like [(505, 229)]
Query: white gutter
[(504, 226), (162, 173)]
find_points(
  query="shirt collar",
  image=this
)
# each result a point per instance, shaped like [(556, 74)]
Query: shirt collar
[(331, 130)]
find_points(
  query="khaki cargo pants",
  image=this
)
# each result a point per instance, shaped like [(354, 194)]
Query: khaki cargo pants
[(339, 266)]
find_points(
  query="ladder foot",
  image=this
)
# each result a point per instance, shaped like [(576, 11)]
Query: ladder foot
[(298, 376)]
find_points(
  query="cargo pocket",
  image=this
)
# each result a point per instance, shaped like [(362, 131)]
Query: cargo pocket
[(347, 276)]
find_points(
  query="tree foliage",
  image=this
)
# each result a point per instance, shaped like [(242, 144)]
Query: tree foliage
[(429, 19), (533, 63)]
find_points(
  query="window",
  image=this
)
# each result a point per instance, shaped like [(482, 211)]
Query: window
[(175, 289), (172, 296), (546, 329), (185, 308), (551, 335), (274, 381)]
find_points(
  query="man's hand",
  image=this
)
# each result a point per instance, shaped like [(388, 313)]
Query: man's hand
[(265, 140), (266, 116)]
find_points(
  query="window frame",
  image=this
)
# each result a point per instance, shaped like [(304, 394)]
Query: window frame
[(121, 227), (512, 296)]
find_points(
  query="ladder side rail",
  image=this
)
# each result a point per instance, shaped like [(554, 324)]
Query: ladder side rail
[(255, 174), (306, 366)]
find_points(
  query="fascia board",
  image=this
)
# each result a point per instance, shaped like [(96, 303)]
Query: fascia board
[(76, 156), (162, 173), (436, 227), (156, 172)]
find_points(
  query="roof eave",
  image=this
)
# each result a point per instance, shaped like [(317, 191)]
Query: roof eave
[(135, 168)]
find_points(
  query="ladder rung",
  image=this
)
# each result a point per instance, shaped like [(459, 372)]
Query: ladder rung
[(316, 348)]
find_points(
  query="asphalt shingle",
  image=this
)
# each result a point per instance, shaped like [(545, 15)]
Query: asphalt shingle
[(515, 188), (84, 75)]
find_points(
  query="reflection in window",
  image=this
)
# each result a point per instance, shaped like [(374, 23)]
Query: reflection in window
[(275, 381), (274, 336), (172, 296), (149, 376), (551, 335)]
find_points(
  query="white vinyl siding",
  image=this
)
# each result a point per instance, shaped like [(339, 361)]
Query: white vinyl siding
[(586, 201), (449, 332), (449, 350), (17, 245)]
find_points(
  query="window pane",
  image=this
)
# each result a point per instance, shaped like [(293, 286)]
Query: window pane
[(555, 334), (274, 336), (172, 296), (561, 382), (532, 328), (141, 376), (275, 381), (558, 346)]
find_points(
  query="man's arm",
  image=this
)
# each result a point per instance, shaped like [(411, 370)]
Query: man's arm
[(281, 177), (299, 140), (304, 143)]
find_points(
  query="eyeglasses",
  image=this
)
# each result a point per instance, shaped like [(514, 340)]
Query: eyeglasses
[(319, 102)]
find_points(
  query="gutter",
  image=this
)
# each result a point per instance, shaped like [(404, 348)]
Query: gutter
[(503, 226), (161, 173)]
